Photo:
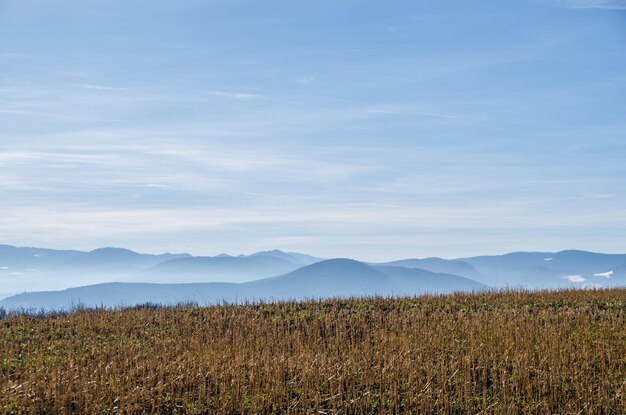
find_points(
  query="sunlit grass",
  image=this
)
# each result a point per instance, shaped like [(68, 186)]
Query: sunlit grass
[(507, 352)]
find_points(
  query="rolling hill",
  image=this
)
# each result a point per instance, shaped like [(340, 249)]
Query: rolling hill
[(217, 269), (547, 269), (116, 276), (329, 278), (444, 266)]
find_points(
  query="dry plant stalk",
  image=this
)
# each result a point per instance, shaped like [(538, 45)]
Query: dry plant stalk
[(509, 352)]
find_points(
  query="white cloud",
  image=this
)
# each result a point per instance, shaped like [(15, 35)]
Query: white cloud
[(575, 278), (594, 4), (406, 111), (20, 112), (240, 96), (156, 186), (608, 274), (101, 87)]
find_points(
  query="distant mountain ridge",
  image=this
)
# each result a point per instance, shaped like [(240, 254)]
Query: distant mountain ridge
[(23, 258), (218, 269), (548, 269), (275, 274), (106, 257), (25, 268), (446, 266), (330, 278), (294, 257)]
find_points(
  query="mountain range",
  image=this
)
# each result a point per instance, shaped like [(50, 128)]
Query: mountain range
[(51, 279)]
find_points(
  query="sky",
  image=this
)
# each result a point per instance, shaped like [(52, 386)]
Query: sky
[(374, 130)]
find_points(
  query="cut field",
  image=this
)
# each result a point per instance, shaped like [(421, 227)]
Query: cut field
[(503, 353)]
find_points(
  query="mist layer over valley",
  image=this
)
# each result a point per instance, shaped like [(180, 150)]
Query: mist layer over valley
[(37, 278)]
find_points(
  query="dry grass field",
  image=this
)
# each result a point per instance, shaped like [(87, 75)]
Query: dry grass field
[(497, 353)]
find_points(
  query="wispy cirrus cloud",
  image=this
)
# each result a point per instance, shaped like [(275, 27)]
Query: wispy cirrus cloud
[(19, 112), (349, 141), (101, 87), (594, 4), (411, 112), (240, 96)]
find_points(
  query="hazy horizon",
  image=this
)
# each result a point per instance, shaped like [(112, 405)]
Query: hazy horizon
[(367, 130), (361, 259)]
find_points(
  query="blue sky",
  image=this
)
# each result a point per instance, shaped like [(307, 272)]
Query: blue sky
[(369, 129)]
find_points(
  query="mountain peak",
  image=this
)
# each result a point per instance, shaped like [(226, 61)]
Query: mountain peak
[(112, 250), (293, 257), (270, 252), (336, 265)]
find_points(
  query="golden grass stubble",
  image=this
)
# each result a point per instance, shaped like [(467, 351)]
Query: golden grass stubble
[(504, 352)]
